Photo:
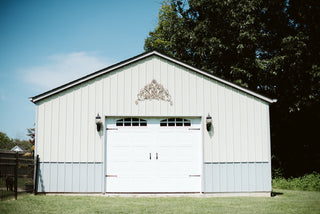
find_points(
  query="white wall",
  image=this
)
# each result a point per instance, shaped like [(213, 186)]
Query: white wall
[(66, 121)]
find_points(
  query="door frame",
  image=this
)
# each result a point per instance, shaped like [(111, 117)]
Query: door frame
[(105, 117)]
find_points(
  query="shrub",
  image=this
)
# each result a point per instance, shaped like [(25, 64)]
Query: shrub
[(310, 182)]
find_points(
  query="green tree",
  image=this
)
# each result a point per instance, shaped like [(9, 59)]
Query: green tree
[(220, 37), (271, 47), (294, 60), (5, 142), (168, 35)]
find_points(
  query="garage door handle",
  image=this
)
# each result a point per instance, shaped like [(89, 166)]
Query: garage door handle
[(194, 175), (157, 156), (150, 156), (114, 176)]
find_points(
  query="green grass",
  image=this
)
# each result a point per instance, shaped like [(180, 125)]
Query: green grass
[(287, 202), (309, 182)]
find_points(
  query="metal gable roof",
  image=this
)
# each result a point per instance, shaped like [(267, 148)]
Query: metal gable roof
[(111, 68)]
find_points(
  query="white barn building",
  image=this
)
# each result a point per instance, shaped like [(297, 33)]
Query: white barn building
[(155, 133)]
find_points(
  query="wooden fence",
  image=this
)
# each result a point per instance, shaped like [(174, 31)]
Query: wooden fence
[(16, 174)]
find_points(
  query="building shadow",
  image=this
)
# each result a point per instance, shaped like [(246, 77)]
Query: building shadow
[(40, 181), (274, 194)]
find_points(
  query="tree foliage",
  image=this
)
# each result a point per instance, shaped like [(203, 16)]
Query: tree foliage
[(272, 47), (7, 143), (32, 135)]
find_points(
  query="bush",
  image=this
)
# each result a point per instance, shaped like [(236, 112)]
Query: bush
[(310, 182)]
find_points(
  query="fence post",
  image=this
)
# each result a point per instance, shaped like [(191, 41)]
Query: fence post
[(16, 177), (36, 167)]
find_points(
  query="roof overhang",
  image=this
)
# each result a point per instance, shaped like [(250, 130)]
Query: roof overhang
[(111, 68)]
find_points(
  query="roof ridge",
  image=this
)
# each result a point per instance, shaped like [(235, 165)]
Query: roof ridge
[(123, 63)]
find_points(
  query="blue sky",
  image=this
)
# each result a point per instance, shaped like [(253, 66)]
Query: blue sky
[(46, 43)]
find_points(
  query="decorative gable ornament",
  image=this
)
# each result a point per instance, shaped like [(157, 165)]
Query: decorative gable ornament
[(154, 91)]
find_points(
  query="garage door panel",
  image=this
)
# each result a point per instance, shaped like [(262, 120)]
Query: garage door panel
[(174, 151), (174, 143), (124, 139), (124, 154), (177, 173), (178, 154), (128, 185), (176, 184), (122, 172), (185, 138)]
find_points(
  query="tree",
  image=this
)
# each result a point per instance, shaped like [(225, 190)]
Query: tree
[(32, 135), (220, 37), (295, 63), (271, 47), (5, 142)]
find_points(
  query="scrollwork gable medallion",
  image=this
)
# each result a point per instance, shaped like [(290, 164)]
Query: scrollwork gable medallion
[(154, 91)]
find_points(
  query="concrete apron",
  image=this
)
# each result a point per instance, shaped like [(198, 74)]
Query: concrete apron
[(196, 195)]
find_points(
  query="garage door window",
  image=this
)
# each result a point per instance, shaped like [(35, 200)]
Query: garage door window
[(131, 122), (175, 122)]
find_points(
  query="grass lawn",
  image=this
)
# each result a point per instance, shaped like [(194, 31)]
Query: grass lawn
[(287, 202)]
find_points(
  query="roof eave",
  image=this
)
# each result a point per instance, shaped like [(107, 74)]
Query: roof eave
[(269, 100), (39, 97)]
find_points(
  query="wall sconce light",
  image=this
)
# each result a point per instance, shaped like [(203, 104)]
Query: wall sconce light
[(209, 122), (98, 122)]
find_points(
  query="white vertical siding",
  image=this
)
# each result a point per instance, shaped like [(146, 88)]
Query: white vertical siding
[(84, 123), (92, 102), (40, 129), (70, 124), (237, 177), (77, 125), (46, 155), (97, 151), (70, 177), (62, 126), (55, 129), (238, 148), (66, 121)]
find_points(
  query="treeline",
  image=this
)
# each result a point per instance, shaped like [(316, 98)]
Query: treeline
[(271, 47), (7, 143)]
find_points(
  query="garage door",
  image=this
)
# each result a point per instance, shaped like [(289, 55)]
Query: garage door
[(153, 155)]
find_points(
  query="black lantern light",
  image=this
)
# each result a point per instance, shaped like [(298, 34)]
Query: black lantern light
[(98, 122), (209, 122)]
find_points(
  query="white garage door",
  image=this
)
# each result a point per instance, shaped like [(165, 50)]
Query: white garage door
[(153, 155)]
